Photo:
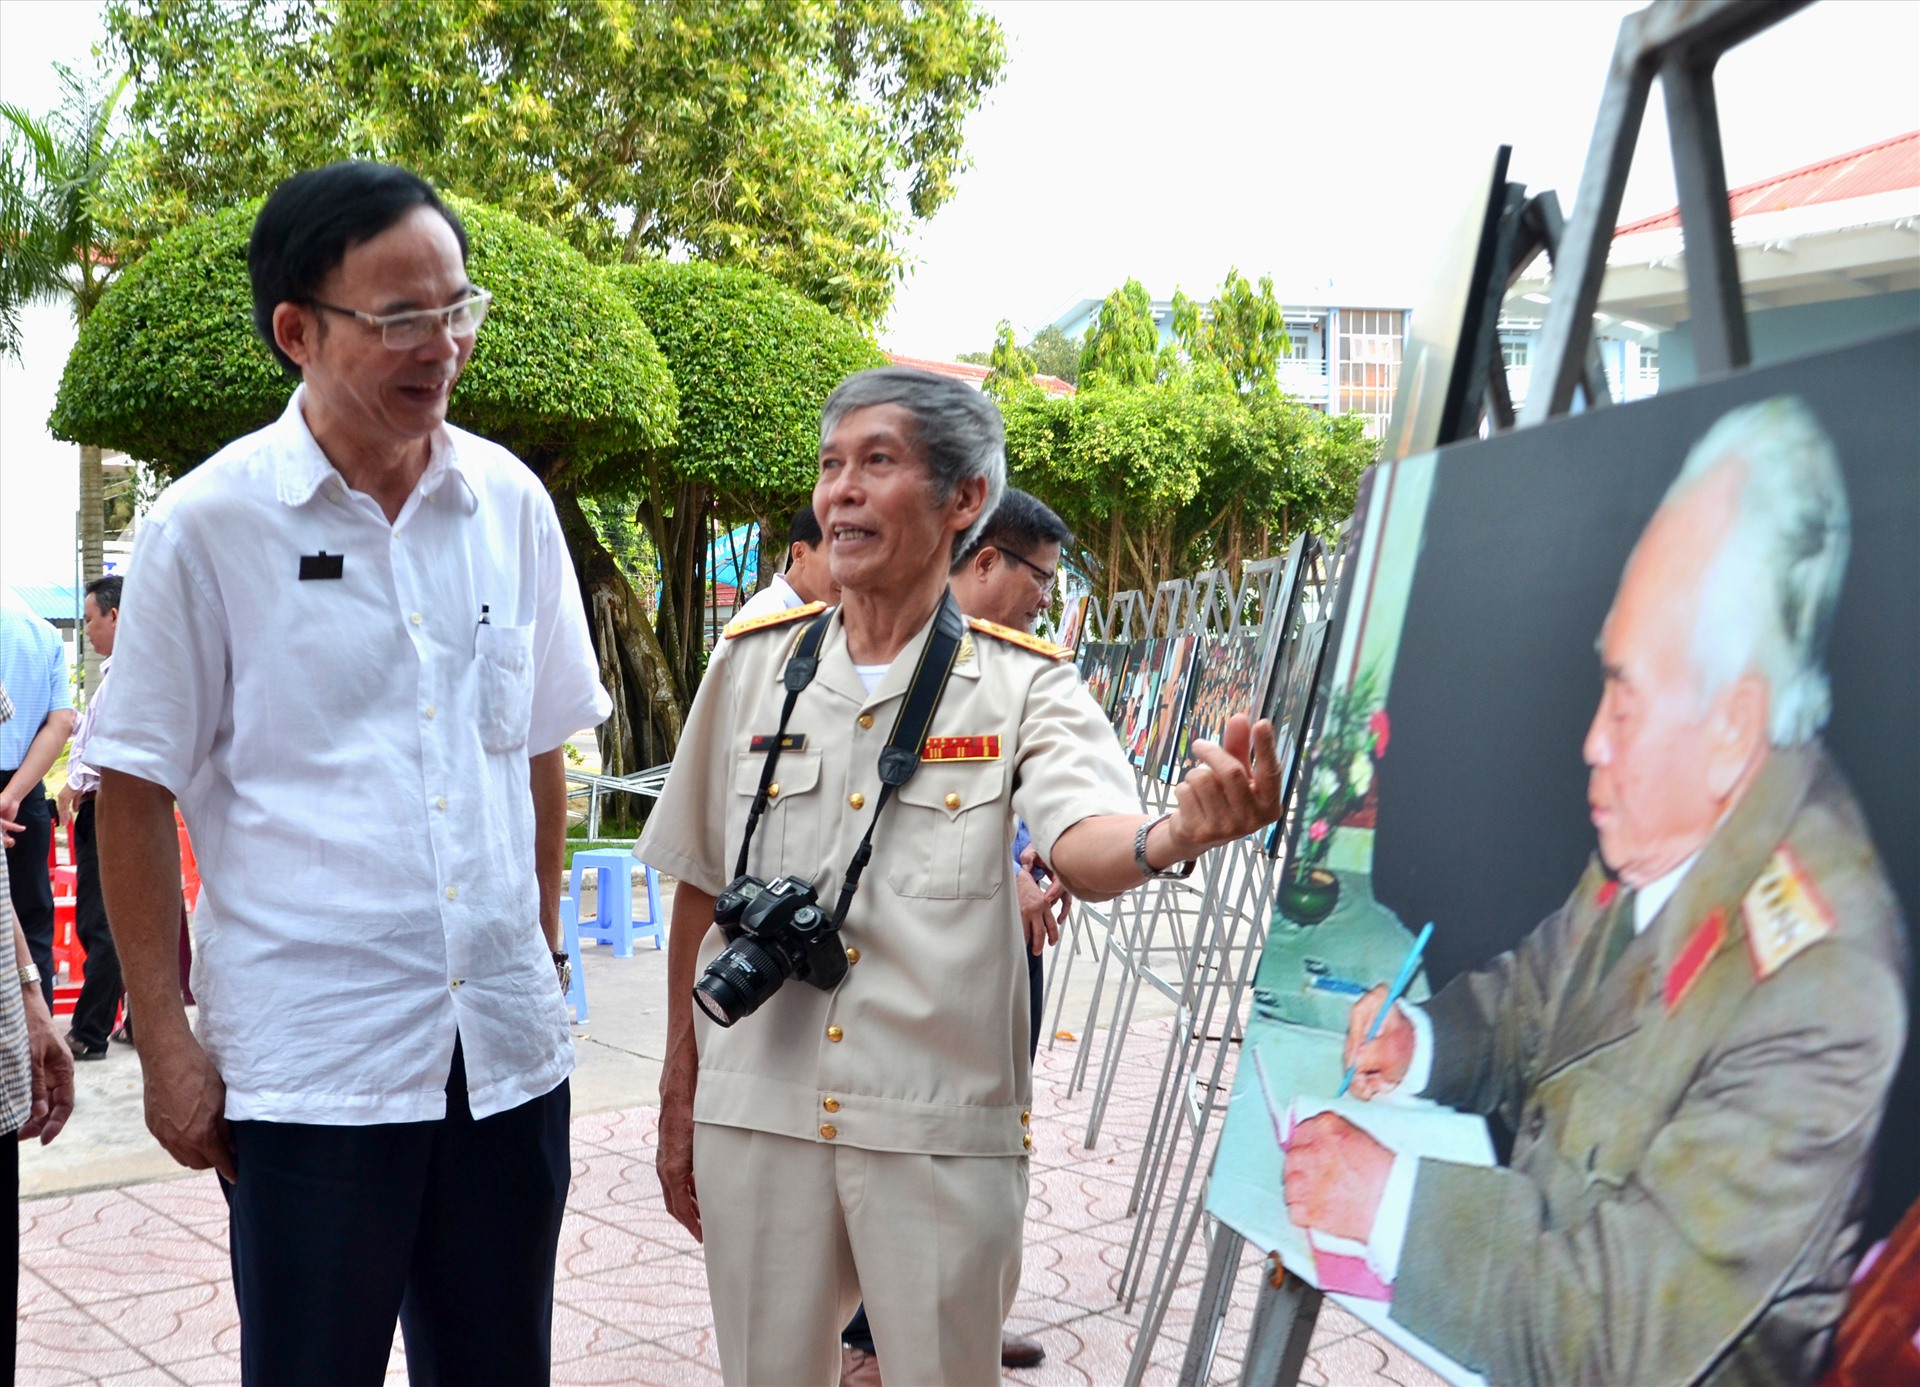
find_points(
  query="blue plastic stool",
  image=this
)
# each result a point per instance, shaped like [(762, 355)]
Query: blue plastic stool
[(613, 922), (570, 941)]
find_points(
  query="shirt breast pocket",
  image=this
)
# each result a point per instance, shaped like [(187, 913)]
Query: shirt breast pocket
[(503, 656), (787, 839), (953, 832)]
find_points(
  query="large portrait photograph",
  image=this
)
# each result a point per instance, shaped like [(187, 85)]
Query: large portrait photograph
[(1624, 707)]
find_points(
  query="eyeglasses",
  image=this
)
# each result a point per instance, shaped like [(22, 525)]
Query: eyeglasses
[(404, 331), (1045, 575)]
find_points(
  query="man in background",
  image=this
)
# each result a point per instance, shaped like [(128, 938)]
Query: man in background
[(1005, 575), (94, 1012), (33, 668), (807, 577)]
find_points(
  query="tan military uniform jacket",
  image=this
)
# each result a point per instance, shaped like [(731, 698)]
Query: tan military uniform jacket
[(1694, 1129), (923, 1046)]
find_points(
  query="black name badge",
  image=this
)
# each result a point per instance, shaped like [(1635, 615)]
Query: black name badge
[(320, 565), (793, 741)]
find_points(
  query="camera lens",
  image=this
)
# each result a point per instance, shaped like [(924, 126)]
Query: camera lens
[(743, 976)]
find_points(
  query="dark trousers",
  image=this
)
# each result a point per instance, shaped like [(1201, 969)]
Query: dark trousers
[(99, 1002), (27, 878), (452, 1226), (858, 1332)]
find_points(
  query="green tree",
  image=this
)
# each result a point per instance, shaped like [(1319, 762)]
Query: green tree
[(797, 137), (1013, 368), (1243, 329), (58, 174), (754, 361), (1055, 354), (1123, 345), (1161, 479)]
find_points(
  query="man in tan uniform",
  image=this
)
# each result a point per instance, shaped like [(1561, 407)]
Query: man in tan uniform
[(873, 1138), (1695, 1051)]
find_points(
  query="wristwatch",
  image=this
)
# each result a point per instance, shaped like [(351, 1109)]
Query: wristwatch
[(563, 965), (30, 976), (1180, 871)]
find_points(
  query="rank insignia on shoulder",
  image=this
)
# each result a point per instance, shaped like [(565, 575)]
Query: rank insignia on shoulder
[(1019, 638), (1694, 955), (1784, 912), (985, 748), (791, 741), (745, 625)]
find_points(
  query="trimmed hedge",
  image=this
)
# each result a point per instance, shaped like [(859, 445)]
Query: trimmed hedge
[(168, 369), (754, 361)]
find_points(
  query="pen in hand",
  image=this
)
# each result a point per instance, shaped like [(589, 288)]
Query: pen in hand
[(1393, 996)]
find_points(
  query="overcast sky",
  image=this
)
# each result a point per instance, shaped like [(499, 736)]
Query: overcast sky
[(1332, 145)]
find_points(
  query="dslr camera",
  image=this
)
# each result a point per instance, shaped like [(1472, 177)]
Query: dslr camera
[(774, 932)]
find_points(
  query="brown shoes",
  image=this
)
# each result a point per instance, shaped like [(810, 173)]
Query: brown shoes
[(1018, 1351), (858, 1368)]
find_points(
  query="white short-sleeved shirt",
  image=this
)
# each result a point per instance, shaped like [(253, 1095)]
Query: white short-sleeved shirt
[(350, 754)]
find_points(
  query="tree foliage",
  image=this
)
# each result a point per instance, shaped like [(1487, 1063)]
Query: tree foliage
[(1164, 479), (1123, 345), (1243, 329), (754, 361), (169, 369), (1055, 354), (1013, 367), (798, 137)]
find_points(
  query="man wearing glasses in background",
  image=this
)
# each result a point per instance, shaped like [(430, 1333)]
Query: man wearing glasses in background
[(353, 650)]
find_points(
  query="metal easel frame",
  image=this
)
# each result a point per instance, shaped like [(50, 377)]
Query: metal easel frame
[(1680, 42)]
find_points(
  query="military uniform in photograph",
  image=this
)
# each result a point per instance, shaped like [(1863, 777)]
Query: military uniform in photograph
[(1695, 1107), (904, 1096)]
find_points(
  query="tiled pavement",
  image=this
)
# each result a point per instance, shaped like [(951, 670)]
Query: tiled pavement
[(132, 1286)]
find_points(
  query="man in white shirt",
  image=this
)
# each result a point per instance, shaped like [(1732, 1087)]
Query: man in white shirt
[(33, 667), (93, 1013), (354, 648), (1695, 1052), (807, 579)]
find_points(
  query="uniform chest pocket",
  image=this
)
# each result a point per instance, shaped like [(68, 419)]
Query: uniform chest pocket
[(953, 831), (787, 840), (1609, 1119), (503, 659)]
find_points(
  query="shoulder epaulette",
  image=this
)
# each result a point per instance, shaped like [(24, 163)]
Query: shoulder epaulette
[(1019, 638), (747, 624)]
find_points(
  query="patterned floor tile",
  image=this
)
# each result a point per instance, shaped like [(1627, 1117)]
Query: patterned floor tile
[(175, 1325), (59, 1346)]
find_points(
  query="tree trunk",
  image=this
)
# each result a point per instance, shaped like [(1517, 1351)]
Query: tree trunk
[(649, 708), (773, 547), (93, 540)]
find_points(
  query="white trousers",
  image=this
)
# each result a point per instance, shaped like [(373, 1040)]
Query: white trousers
[(798, 1232)]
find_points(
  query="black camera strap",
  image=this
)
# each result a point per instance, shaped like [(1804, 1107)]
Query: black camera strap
[(899, 759), (802, 665)]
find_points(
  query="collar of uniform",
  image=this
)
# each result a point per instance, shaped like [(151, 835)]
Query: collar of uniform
[(1738, 849), (301, 468), (838, 674)]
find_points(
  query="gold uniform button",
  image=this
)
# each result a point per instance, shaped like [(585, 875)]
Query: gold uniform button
[(953, 800), (1025, 1118), (866, 721), (1026, 1140), (773, 790), (857, 800), (829, 1131), (830, 1104), (853, 955), (834, 1033)]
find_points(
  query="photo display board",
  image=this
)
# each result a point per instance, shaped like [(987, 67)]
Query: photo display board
[(1624, 704)]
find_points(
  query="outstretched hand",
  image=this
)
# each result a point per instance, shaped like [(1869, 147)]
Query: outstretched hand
[(1232, 791)]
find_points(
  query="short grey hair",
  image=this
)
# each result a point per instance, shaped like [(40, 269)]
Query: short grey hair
[(1768, 599), (959, 429)]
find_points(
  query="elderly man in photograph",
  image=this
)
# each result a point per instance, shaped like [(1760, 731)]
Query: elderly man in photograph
[(1694, 1053), (864, 1127), (353, 647)]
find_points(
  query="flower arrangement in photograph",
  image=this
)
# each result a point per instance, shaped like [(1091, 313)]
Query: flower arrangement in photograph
[(1353, 738)]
